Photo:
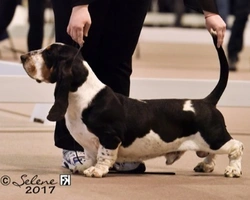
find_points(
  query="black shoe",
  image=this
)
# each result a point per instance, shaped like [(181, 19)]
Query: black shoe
[(129, 168), (232, 64)]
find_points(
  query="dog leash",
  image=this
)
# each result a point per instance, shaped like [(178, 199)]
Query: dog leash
[(78, 51)]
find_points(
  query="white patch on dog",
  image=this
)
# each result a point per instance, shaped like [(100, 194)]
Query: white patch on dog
[(35, 64), (39, 63), (151, 146), (86, 92), (193, 142), (188, 106)]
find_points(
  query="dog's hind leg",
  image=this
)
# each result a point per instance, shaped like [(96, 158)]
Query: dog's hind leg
[(234, 149), (105, 160), (235, 152), (173, 156), (207, 165)]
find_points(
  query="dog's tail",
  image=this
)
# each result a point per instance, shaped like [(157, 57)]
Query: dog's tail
[(215, 95)]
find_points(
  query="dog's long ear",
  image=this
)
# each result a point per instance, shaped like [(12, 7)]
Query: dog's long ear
[(64, 79)]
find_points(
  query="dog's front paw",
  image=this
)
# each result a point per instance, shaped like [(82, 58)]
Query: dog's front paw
[(204, 167), (232, 172), (80, 168), (97, 171)]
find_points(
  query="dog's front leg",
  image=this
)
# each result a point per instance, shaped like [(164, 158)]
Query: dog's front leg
[(105, 160), (87, 162)]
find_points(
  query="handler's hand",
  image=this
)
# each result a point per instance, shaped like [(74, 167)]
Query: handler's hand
[(216, 23), (79, 23)]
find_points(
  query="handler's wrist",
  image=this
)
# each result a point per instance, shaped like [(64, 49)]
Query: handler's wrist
[(208, 14)]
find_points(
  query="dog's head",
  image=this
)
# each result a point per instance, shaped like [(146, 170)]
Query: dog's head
[(58, 63)]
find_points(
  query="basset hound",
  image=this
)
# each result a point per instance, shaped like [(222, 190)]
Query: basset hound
[(114, 128)]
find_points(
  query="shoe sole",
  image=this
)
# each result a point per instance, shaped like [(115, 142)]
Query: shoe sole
[(138, 170)]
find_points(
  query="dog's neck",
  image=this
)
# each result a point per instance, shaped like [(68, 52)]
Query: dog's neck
[(87, 91)]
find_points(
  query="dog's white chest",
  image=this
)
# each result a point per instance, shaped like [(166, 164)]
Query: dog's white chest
[(78, 101), (80, 133)]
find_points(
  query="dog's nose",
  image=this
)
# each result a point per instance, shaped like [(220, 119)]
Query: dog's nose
[(23, 58)]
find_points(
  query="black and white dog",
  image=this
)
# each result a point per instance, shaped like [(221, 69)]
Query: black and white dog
[(114, 128)]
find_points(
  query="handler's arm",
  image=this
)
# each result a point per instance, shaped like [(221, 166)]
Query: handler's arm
[(80, 20), (213, 20)]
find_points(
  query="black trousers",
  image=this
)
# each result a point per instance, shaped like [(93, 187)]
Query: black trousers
[(112, 39), (36, 20), (7, 11), (235, 43)]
